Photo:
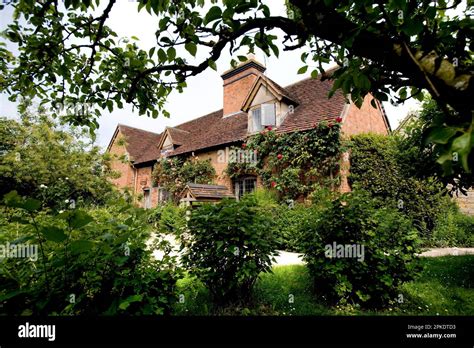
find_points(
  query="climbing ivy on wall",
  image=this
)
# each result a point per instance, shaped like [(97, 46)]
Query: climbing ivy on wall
[(174, 173), (296, 163)]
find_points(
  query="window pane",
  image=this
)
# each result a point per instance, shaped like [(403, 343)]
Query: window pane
[(257, 119), (249, 185), (268, 114)]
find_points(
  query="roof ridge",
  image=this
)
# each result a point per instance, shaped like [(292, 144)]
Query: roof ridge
[(140, 129), (177, 129)]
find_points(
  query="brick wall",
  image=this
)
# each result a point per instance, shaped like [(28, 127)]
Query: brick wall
[(236, 89), (144, 181), (364, 120), (220, 166), (125, 169)]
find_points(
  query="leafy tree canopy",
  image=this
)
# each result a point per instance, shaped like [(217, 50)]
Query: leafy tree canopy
[(394, 49), (58, 166)]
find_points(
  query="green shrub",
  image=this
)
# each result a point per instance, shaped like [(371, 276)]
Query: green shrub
[(90, 262), (371, 278), (289, 222), (230, 244), (453, 228), (380, 167), (168, 219)]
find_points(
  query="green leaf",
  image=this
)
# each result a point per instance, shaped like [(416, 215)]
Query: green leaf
[(171, 53), (54, 234), (13, 199), (440, 135), (191, 48), (303, 69), (214, 13), (212, 64), (134, 298), (314, 73), (462, 143), (79, 246), (361, 81), (151, 52), (80, 218), (31, 204), (162, 55), (412, 26)]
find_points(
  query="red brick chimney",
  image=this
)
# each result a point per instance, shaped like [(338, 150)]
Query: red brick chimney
[(237, 83)]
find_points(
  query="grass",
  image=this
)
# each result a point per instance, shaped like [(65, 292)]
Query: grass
[(445, 287)]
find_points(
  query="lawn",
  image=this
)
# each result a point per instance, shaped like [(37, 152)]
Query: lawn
[(445, 287)]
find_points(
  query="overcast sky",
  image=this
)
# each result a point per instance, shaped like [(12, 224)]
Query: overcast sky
[(204, 92)]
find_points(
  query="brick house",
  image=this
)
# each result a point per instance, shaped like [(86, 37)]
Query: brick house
[(251, 102)]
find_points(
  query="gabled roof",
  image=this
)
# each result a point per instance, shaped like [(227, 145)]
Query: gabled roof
[(200, 191), (279, 92), (212, 130), (176, 136), (141, 145)]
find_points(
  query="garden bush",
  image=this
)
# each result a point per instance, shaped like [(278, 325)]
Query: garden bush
[(453, 228), (379, 167), (230, 244), (168, 219), (92, 262), (372, 278)]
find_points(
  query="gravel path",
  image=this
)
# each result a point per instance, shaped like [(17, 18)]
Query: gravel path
[(287, 258)]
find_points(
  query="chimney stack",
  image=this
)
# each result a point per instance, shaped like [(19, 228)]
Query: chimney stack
[(237, 83)]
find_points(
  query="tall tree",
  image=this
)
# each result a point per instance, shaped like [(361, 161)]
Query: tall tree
[(395, 49)]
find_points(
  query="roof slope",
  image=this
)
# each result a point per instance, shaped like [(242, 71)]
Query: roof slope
[(314, 107), (141, 145), (209, 191)]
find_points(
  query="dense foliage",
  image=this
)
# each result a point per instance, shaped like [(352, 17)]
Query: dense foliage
[(378, 166), (174, 173), (87, 263), (384, 256), (427, 147), (453, 228), (168, 219), (230, 244), (54, 165), (297, 163)]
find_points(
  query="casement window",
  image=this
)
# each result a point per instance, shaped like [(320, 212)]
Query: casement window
[(244, 185), (263, 116), (163, 195)]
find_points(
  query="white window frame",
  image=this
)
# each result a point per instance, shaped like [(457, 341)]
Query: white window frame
[(267, 117)]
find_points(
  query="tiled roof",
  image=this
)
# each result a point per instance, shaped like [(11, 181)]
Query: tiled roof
[(213, 130), (141, 145), (178, 136), (209, 191), (314, 105)]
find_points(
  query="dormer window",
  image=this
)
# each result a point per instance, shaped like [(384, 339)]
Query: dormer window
[(262, 116)]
